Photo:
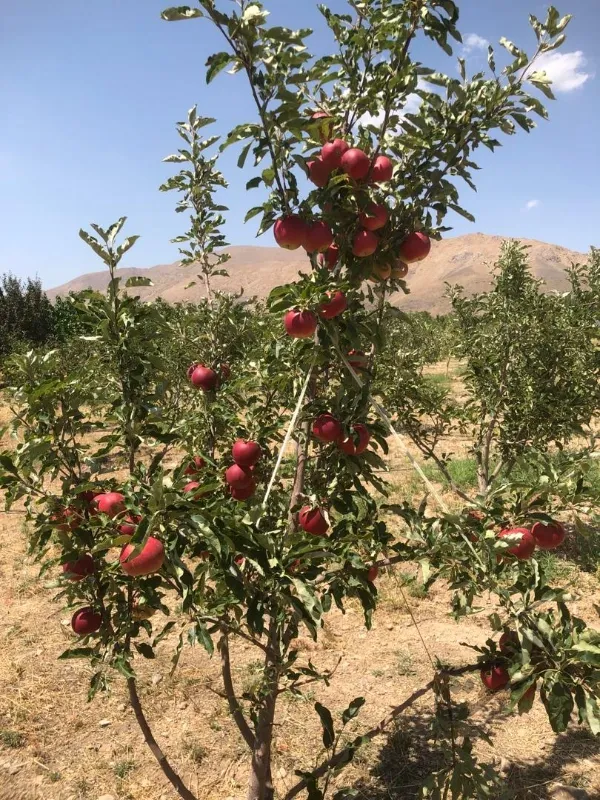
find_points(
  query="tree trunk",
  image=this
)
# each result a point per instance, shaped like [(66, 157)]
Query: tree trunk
[(260, 786)]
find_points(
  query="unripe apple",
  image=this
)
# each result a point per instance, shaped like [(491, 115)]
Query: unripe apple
[(335, 306), (243, 492), (380, 272), (332, 152), (358, 360), (86, 621), (548, 536), (80, 569), (326, 428), (246, 452), (195, 466), (373, 573), (312, 520), (238, 477), (127, 528), (290, 231), (349, 446), (415, 247), (318, 172), (356, 164), (111, 503), (326, 127), (330, 257), (374, 217), (300, 324), (399, 270), (318, 237), (364, 244), (148, 561), (526, 545), (383, 169), (495, 678), (205, 378)]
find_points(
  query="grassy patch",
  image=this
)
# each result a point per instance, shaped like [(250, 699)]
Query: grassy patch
[(12, 739), (440, 380), (462, 470), (123, 768)]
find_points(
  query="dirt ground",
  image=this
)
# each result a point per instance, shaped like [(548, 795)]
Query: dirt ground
[(54, 745)]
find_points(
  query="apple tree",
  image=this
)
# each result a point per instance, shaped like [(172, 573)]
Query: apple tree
[(271, 518)]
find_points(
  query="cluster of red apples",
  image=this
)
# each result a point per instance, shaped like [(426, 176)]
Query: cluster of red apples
[(316, 236), (546, 536), (148, 561)]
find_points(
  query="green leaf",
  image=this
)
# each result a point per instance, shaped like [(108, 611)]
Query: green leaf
[(353, 709), (216, 63), (176, 13), (138, 280), (77, 652), (327, 724)]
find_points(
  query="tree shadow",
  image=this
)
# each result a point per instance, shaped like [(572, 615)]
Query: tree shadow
[(411, 753)]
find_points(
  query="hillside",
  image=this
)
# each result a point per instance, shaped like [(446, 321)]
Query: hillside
[(463, 260)]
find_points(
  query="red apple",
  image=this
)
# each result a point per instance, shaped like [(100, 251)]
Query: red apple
[(80, 569), (300, 324), (66, 519), (295, 565), (494, 678), (372, 573), (243, 492), (508, 641), (383, 169), (111, 503), (204, 378), (364, 244), (326, 127), (239, 560), (399, 270), (326, 428), (318, 172), (86, 621), (374, 217), (191, 487), (358, 360), (548, 537), (129, 525), (415, 247), (318, 237), (312, 520), (335, 306), (356, 164), (238, 477), (149, 560), (529, 695), (290, 231), (245, 453), (349, 446), (330, 257), (195, 465), (332, 152), (525, 547)]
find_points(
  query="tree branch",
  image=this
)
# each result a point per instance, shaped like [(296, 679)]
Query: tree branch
[(234, 706), (168, 770)]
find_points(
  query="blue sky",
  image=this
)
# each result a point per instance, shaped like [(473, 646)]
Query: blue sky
[(90, 92)]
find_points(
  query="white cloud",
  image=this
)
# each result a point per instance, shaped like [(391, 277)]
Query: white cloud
[(565, 70), (472, 41), (411, 106), (531, 204)]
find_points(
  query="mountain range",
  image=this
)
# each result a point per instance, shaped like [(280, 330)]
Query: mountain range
[(464, 260)]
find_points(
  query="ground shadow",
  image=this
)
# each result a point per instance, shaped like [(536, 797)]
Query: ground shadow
[(411, 753)]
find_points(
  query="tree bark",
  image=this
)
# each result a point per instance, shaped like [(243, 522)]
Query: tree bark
[(260, 786), (168, 770)]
